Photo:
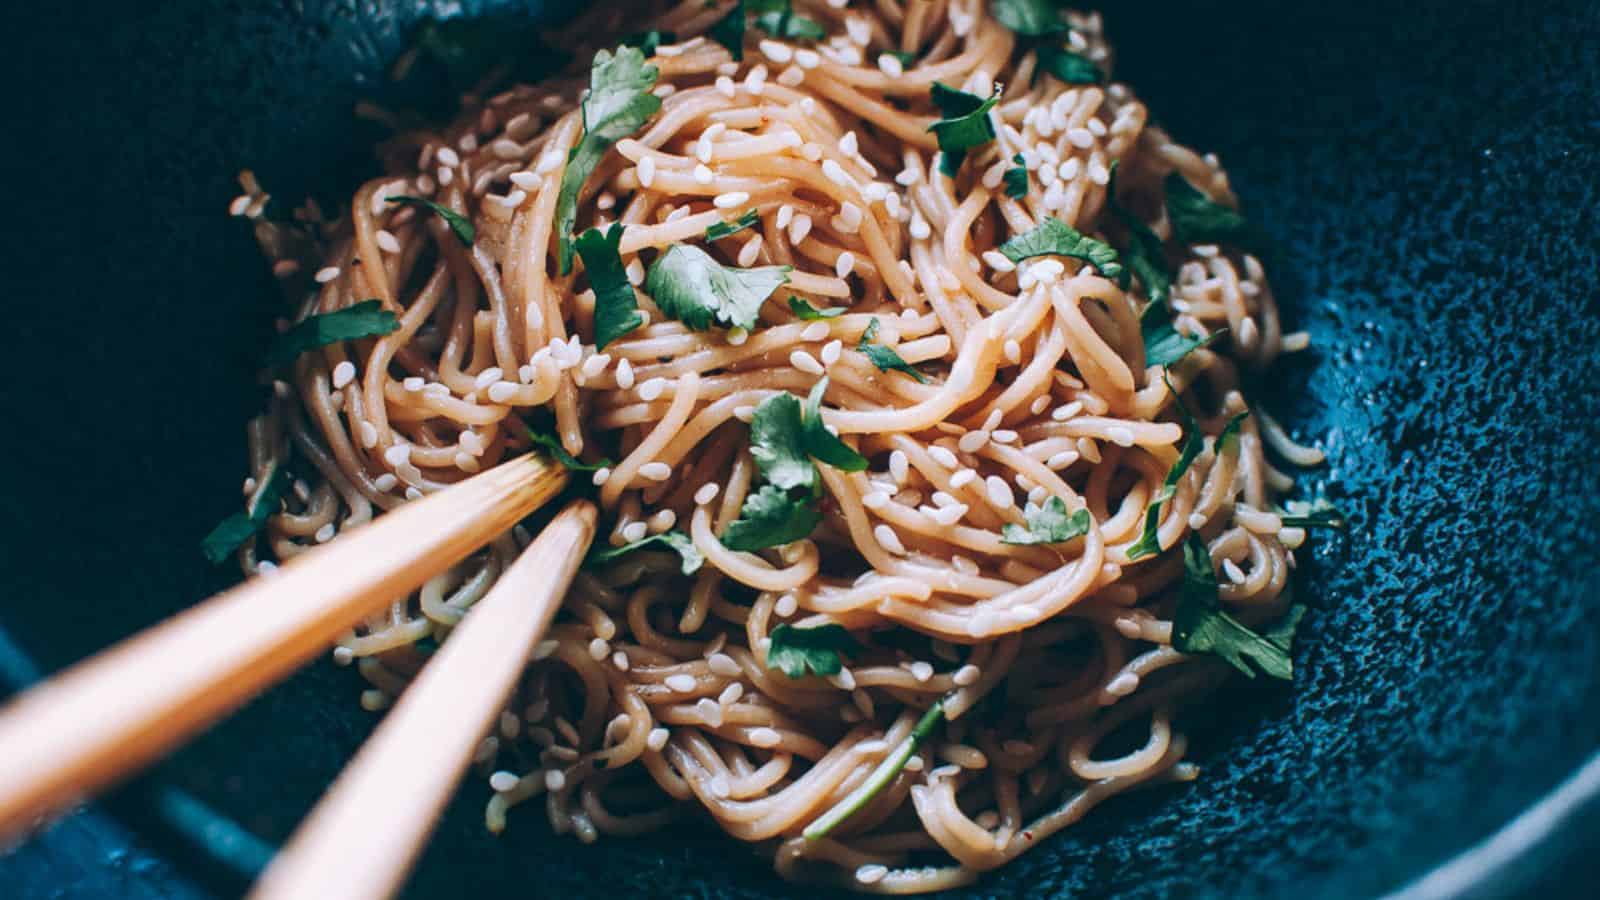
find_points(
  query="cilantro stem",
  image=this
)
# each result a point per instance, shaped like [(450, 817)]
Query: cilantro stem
[(880, 777)]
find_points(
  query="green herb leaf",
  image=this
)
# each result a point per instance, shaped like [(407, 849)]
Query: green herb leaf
[(231, 533), (553, 444), (1016, 179), (365, 319), (906, 58), (1069, 67), (616, 310), (1053, 237), (648, 41), (1146, 254), (1028, 17), (1319, 513), (885, 358), (809, 313), (822, 443), (676, 541), (619, 103), (965, 124), (722, 229), (1199, 625), (460, 225), (1230, 431), (777, 442), (1149, 542), (796, 649), (1197, 219), (770, 518), (692, 287), (787, 26), (882, 776), (1047, 524), (729, 30), (1163, 343)]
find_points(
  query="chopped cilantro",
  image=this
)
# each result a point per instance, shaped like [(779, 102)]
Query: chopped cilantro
[(729, 31), (965, 124), (771, 517), (692, 287), (722, 229), (808, 313), (460, 225), (231, 533), (616, 311), (676, 541), (1069, 67), (1146, 255), (1200, 626), (1197, 219), (619, 102), (1047, 524), (885, 358), (796, 649), (365, 319), (1032, 18), (571, 463), (1053, 237), (1016, 179), (1163, 343)]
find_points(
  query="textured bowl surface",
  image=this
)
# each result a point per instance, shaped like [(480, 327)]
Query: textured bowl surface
[(1430, 169)]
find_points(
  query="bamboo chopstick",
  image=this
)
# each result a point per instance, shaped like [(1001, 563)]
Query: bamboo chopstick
[(360, 841), (123, 708)]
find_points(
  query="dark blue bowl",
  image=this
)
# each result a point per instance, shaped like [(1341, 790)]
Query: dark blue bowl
[(1431, 171)]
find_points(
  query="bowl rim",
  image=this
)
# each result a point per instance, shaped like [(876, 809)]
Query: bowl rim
[(1498, 863)]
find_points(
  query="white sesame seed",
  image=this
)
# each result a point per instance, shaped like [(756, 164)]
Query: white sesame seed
[(465, 461), (963, 478), (502, 391), (1123, 685), (831, 352), (387, 242), (750, 252), (1004, 436), (620, 660), (325, 533), (816, 331), (1229, 568), (601, 476), (972, 441), (949, 515), (778, 53), (634, 531), (967, 675), (765, 737), (413, 384), (385, 482), (646, 170), (594, 365), (731, 199), (943, 457), (706, 493), (891, 65), (625, 372), (799, 228), (397, 455), (805, 362), (899, 466), (889, 540), (655, 471), (999, 491), (723, 664), (681, 683), (710, 710), (846, 263), (413, 493), (726, 87), (875, 499), (599, 649), (652, 389), (807, 59), (554, 780), (730, 694), (1013, 351), (503, 781), (326, 274), (656, 739), (343, 374), (702, 175)]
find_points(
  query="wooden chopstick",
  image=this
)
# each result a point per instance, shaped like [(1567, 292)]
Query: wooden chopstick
[(130, 704), (360, 841)]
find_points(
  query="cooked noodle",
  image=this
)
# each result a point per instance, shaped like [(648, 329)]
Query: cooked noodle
[(651, 695)]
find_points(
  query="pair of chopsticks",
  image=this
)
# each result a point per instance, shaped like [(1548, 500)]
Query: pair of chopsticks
[(122, 709)]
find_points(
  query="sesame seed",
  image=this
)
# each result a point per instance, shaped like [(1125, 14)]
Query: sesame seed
[(805, 362), (325, 533), (655, 471), (943, 457), (1080, 138), (949, 515), (387, 242), (891, 66), (681, 683), (413, 493), (595, 364), (413, 384), (875, 499), (326, 274), (846, 263), (966, 675), (778, 53), (999, 492), (709, 710), (1004, 436), (397, 455), (972, 441), (816, 331), (799, 228), (765, 737), (503, 781), (385, 482), (502, 391), (702, 175), (889, 540), (831, 352), (554, 780), (465, 461), (730, 694), (601, 476), (646, 170), (706, 493), (599, 649), (634, 532), (656, 739), (725, 86), (1013, 351), (737, 336), (791, 76), (919, 227), (620, 660), (662, 520), (625, 372), (807, 59), (963, 478), (899, 466), (343, 374), (750, 251), (652, 389), (723, 664)]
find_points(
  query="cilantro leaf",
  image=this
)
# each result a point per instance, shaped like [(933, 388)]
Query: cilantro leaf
[(692, 287), (1149, 542), (619, 102), (1028, 17), (1230, 431), (616, 311), (965, 124), (1146, 254), (769, 518), (1069, 67), (231, 533), (1200, 626), (1016, 179), (1053, 237), (795, 649), (1198, 219), (808, 313), (787, 25), (777, 442), (881, 776), (674, 540), (822, 443), (365, 319), (572, 463), (1163, 343), (729, 31), (885, 358), (906, 58), (1319, 513), (460, 225), (648, 41), (722, 229), (1047, 524)]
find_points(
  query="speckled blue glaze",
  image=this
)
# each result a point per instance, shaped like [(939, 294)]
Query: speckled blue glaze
[(1430, 169)]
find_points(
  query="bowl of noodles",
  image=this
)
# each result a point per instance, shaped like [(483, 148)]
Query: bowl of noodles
[(1000, 493)]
